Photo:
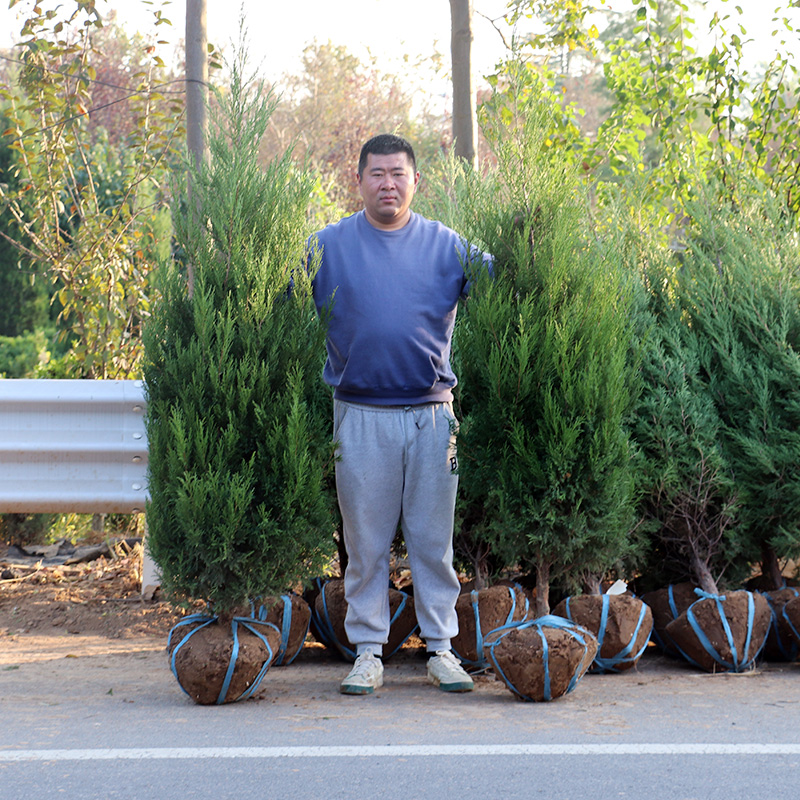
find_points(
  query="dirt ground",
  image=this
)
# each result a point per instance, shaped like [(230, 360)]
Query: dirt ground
[(97, 598)]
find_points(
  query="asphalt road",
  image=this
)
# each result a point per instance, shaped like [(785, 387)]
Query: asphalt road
[(108, 720)]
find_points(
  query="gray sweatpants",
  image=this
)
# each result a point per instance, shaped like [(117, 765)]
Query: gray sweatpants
[(397, 465)]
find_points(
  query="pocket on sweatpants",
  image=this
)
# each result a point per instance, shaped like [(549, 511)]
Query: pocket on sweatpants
[(339, 413)]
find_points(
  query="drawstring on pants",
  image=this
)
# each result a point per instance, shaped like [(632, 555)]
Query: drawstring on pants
[(413, 413)]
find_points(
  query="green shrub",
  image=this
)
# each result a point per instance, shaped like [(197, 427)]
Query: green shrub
[(548, 374), (238, 421), (21, 356), (740, 288)]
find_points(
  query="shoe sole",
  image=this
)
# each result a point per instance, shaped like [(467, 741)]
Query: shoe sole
[(347, 688), (452, 687)]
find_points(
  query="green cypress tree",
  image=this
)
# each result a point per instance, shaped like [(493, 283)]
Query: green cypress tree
[(741, 290), (547, 369), (238, 420), (686, 494)]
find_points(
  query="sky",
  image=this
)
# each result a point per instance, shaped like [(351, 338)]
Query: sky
[(386, 29)]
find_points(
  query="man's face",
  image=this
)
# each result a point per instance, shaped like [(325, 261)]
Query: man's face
[(387, 187)]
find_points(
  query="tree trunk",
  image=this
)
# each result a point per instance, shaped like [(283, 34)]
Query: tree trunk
[(770, 568), (196, 93), (98, 524), (464, 113), (542, 589), (592, 584), (703, 575)]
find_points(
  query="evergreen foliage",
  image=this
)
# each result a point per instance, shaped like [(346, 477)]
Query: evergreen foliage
[(548, 374), (686, 494), (741, 292), (238, 420)]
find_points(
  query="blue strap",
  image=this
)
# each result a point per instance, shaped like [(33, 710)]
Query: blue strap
[(548, 695), (348, 651), (703, 639), (673, 607), (473, 597), (286, 628), (285, 636), (400, 608), (751, 612), (320, 625), (251, 625), (231, 663), (603, 621), (204, 621), (499, 670)]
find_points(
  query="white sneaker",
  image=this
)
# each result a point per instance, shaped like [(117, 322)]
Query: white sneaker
[(366, 675), (445, 672)]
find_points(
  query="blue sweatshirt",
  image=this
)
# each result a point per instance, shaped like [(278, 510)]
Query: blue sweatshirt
[(392, 299)]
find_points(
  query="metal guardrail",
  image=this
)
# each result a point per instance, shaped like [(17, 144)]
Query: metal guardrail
[(72, 446)]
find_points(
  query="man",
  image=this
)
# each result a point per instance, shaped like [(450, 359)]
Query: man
[(389, 282)]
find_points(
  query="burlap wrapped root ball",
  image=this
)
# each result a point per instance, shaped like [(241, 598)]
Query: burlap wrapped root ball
[(621, 623), (781, 644), (310, 595), (541, 659), (668, 604), (722, 632), (483, 610), (790, 615), (331, 608), (216, 663), (291, 615)]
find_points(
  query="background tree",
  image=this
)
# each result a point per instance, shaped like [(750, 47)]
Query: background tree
[(332, 107), (23, 300), (95, 241), (710, 114), (465, 121)]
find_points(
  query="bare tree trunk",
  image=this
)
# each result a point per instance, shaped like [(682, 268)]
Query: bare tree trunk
[(196, 93), (770, 568), (464, 114), (542, 589), (703, 575)]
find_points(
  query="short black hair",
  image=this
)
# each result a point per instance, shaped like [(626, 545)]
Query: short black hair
[(385, 144)]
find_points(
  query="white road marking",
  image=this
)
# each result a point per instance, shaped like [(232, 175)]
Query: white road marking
[(403, 751)]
